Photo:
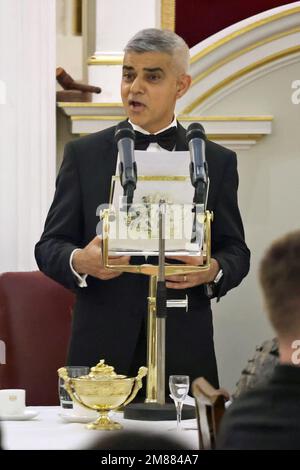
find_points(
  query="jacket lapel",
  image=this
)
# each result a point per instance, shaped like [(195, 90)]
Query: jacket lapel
[(181, 138)]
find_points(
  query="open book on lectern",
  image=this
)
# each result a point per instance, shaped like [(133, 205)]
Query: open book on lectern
[(163, 177)]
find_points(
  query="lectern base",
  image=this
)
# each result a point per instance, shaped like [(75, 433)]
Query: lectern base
[(156, 412)]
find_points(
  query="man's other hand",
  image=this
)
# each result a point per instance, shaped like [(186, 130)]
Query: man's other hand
[(185, 281)]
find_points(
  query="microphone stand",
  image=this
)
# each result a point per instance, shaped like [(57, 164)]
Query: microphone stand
[(161, 307), (155, 406), (128, 186)]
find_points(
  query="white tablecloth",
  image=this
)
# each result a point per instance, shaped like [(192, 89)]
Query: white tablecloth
[(49, 431)]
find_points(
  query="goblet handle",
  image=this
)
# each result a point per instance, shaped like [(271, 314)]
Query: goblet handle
[(137, 384), (62, 372)]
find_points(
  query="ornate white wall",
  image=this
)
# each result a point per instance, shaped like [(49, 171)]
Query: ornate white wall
[(240, 53), (252, 69), (269, 195), (27, 120)]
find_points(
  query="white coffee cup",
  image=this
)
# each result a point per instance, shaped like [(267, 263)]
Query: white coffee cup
[(12, 402)]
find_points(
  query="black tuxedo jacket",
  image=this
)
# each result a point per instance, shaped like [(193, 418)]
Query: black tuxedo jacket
[(108, 315)]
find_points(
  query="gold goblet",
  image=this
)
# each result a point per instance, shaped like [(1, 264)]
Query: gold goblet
[(103, 390)]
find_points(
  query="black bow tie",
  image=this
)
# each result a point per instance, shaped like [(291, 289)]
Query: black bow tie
[(165, 139)]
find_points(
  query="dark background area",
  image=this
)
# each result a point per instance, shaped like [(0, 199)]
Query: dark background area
[(198, 19)]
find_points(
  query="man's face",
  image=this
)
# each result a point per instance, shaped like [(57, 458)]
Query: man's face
[(150, 87)]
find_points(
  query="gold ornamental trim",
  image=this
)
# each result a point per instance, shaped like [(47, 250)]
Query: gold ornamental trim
[(105, 60), (223, 137), (183, 117), (75, 104), (77, 17), (97, 118), (157, 178), (239, 74), (180, 117), (238, 137), (237, 54), (244, 30), (168, 14)]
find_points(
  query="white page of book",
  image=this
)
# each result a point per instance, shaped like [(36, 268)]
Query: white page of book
[(162, 176)]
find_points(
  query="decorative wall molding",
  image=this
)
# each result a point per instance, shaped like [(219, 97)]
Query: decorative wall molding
[(230, 80), (252, 45), (168, 12), (240, 31), (220, 65), (235, 132), (243, 51), (244, 79), (91, 109), (106, 59)]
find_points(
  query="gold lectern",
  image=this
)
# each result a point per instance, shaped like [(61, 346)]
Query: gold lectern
[(154, 407)]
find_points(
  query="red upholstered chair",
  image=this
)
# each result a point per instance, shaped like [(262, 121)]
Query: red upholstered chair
[(35, 322)]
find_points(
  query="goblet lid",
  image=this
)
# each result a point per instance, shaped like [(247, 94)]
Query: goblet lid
[(103, 371)]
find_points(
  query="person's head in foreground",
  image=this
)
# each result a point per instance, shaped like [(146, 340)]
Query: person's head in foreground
[(280, 281), (268, 417), (139, 440), (155, 75)]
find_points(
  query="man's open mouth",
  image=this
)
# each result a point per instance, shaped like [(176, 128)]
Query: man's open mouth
[(136, 105)]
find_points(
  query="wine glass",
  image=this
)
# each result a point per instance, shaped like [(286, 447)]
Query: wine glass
[(179, 387)]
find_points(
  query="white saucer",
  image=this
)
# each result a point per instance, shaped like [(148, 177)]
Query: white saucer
[(73, 418), (28, 414)]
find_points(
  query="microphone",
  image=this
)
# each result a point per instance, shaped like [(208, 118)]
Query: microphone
[(196, 138), (125, 137)]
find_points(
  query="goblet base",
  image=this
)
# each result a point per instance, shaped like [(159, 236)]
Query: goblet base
[(104, 423)]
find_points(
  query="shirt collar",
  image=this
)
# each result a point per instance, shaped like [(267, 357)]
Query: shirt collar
[(143, 131)]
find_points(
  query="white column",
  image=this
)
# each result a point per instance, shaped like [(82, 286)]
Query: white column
[(27, 123), (116, 22)]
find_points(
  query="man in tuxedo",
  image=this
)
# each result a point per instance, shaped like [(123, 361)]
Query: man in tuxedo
[(268, 416), (111, 308)]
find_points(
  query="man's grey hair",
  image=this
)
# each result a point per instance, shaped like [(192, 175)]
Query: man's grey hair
[(161, 40)]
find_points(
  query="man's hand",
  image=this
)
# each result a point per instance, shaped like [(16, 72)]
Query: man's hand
[(185, 281), (89, 261)]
